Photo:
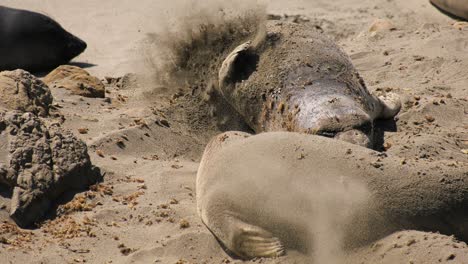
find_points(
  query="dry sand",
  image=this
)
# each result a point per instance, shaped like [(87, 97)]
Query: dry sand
[(150, 138)]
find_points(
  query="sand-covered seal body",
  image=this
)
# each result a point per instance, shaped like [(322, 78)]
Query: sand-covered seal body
[(34, 42), (261, 194), (299, 80)]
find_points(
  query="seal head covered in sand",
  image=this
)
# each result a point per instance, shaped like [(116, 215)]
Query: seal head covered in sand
[(34, 42), (294, 78)]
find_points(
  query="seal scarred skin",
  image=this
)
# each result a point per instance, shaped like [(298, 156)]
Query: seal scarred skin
[(34, 42), (297, 79), (262, 194)]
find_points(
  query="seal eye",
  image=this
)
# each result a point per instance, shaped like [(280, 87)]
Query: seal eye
[(325, 133), (244, 66), (238, 65)]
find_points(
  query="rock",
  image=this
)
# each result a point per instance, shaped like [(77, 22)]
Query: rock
[(40, 163), (380, 25), (20, 90), (460, 25), (77, 80), (83, 130)]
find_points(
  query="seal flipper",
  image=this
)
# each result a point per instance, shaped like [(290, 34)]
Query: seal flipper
[(390, 105), (251, 241), (245, 240)]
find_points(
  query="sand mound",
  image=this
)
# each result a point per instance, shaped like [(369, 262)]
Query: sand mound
[(158, 140), (412, 247), (77, 80)]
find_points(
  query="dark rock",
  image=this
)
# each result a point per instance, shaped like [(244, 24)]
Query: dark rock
[(40, 163)]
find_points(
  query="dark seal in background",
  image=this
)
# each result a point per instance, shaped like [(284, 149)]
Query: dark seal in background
[(455, 8), (34, 42)]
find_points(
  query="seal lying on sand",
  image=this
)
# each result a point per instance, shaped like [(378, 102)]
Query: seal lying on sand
[(458, 8), (296, 79), (34, 42), (261, 194)]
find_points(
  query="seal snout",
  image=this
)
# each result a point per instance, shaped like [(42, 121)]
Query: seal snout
[(78, 45), (333, 115), (75, 46)]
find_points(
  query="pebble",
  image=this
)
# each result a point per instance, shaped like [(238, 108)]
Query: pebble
[(381, 25)]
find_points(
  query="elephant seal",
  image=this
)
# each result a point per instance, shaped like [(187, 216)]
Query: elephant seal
[(297, 79), (261, 194), (34, 42), (457, 8)]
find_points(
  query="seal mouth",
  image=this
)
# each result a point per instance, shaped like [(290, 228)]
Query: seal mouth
[(361, 134)]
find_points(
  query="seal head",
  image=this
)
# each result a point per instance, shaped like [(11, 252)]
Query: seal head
[(297, 79)]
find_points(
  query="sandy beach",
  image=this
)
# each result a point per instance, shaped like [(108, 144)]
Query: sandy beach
[(148, 139)]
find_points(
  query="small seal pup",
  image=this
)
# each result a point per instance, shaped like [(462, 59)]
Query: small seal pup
[(262, 194), (34, 42), (294, 78)]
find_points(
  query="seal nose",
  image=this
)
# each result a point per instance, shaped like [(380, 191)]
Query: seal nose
[(82, 45), (76, 46)]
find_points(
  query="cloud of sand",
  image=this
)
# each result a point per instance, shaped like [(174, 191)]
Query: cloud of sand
[(191, 33), (320, 205), (335, 203)]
